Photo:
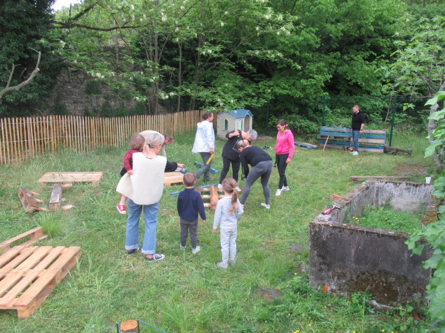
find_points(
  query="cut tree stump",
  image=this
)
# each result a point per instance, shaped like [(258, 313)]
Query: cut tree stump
[(56, 197), (129, 326), (29, 203)]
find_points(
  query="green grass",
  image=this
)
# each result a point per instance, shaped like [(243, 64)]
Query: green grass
[(187, 293)]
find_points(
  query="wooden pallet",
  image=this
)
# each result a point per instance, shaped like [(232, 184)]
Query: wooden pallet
[(34, 235), (71, 177), (173, 178), (28, 274), (29, 202), (210, 196), (356, 178)]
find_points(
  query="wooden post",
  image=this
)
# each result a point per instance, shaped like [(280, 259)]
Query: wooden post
[(326, 143)]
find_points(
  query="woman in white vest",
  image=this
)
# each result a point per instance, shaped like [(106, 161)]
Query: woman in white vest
[(144, 190)]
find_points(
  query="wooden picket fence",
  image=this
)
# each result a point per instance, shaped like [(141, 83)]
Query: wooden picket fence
[(24, 138)]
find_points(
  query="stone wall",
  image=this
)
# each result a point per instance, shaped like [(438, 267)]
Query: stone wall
[(75, 91)]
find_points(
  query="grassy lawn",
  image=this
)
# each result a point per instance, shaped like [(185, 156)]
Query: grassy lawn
[(185, 292)]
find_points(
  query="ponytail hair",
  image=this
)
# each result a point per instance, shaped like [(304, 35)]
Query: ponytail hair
[(229, 185), (282, 122)]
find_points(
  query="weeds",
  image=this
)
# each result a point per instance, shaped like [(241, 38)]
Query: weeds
[(186, 293)]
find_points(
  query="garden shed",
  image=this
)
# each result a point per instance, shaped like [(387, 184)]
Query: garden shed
[(239, 119)]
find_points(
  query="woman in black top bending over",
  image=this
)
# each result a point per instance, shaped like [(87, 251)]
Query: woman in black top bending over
[(261, 166)]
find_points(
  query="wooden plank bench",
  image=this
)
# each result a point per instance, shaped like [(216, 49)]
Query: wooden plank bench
[(71, 177), (340, 138), (28, 274), (356, 178)]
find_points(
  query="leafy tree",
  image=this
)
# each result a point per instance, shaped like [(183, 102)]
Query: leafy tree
[(434, 234), (419, 68), (24, 26)]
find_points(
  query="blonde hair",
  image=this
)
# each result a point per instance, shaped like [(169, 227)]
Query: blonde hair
[(154, 139), (242, 143), (229, 185)]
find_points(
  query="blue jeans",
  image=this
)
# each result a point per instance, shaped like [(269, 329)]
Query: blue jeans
[(355, 137), (132, 233)]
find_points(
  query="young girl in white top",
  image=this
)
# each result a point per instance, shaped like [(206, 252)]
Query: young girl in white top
[(228, 211)]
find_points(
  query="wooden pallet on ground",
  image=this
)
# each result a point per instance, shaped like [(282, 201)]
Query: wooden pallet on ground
[(210, 196), (71, 177), (34, 235), (28, 274), (173, 178), (29, 203), (356, 178)]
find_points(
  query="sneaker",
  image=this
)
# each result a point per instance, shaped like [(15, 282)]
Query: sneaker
[(265, 205), (121, 209), (355, 153), (278, 193), (182, 247), (156, 257), (131, 252), (221, 265), (285, 188), (196, 250), (220, 188), (231, 261)]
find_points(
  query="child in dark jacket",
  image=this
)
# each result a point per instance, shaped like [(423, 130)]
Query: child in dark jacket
[(189, 205)]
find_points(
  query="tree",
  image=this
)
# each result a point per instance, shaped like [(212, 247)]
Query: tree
[(24, 27), (419, 68)]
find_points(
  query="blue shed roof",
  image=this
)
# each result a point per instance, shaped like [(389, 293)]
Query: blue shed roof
[(237, 113)]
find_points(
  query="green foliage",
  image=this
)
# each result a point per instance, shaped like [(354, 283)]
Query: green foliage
[(434, 234), (299, 125), (24, 26)]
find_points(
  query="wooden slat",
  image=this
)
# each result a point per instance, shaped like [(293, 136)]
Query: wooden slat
[(34, 235), (56, 272), (356, 178), (70, 177)]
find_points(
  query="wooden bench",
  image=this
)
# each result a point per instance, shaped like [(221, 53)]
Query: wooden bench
[(28, 274), (340, 138)]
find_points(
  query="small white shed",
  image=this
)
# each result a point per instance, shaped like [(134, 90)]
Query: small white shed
[(227, 121)]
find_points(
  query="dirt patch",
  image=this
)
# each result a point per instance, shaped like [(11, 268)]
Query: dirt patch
[(405, 169)]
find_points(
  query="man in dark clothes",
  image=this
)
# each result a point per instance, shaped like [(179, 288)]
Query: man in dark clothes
[(358, 123)]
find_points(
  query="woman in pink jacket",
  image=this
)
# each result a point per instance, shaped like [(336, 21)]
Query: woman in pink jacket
[(284, 150)]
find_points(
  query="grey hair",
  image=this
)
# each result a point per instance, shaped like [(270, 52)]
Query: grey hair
[(154, 139)]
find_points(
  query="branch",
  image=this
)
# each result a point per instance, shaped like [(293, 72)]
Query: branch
[(75, 25), (24, 83)]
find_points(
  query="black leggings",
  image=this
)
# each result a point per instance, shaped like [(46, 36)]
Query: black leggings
[(281, 165), (226, 167)]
